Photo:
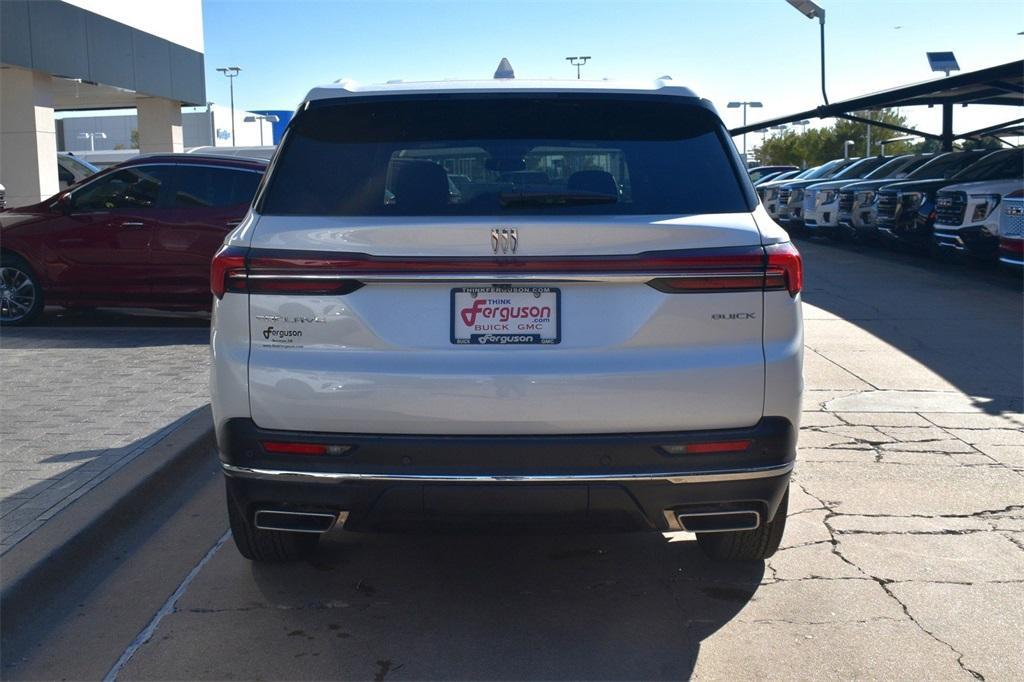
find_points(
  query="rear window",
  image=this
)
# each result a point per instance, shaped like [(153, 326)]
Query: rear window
[(505, 155)]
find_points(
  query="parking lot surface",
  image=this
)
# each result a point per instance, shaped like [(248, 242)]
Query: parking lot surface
[(84, 394), (903, 557)]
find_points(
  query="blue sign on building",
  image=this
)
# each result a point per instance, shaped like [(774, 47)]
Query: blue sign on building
[(283, 118)]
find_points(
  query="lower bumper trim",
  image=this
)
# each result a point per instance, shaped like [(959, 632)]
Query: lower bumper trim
[(662, 477)]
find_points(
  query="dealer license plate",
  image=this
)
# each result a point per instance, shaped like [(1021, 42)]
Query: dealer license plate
[(506, 315)]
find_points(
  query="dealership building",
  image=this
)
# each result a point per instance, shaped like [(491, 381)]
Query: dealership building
[(209, 127), (75, 55)]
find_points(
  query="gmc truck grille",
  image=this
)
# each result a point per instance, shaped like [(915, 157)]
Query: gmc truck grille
[(845, 202), (887, 205), (1011, 222), (949, 208)]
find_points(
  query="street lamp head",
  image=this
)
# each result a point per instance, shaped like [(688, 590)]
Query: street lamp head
[(734, 105), (755, 105), (808, 9), (804, 122)]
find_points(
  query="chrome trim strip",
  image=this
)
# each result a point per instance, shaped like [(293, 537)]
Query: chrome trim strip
[(509, 277), (350, 477), (1011, 261)]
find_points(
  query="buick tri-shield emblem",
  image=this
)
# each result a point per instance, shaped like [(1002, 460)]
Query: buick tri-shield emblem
[(504, 240)]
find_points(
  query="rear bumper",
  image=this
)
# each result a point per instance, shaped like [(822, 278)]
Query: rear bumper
[(623, 481)]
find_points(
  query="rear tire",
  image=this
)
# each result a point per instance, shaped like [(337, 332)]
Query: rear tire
[(21, 295), (267, 545), (747, 545)]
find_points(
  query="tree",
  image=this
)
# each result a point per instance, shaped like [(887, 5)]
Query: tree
[(135, 139), (818, 145), (983, 143)]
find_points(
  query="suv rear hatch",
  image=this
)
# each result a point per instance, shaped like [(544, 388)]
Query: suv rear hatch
[(513, 264)]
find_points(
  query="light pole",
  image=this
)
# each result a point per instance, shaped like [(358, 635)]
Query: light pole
[(803, 125), (92, 139), (846, 149), (260, 118), (812, 11), (231, 72), (736, 105), (577, 62)]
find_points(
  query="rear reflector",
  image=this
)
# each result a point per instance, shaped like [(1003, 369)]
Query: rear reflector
[(284, 448), (1011, 246), (707, 448)]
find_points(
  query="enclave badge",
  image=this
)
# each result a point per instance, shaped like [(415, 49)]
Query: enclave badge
[(505, 239)]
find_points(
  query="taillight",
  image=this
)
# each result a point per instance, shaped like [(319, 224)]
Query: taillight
[(229, 271), (228, 262), (785, 268), (739, 269), (777, 267), (752, 268)]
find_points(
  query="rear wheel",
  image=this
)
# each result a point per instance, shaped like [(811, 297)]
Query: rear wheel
[(747, 545), (21, 296), (267, 545)]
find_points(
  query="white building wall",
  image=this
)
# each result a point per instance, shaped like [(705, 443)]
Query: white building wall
[(197, 130)]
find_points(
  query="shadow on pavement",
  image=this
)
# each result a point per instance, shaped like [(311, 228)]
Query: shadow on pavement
[(963, 323), (109, 328), (23, 508), (613, 606)]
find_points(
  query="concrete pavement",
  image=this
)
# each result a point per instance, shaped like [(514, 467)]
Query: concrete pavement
[(84, 394)]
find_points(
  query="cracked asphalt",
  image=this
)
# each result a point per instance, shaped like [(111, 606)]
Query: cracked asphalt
[(903, 557)]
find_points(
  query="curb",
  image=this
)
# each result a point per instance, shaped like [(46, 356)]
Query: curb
[(64, 542)]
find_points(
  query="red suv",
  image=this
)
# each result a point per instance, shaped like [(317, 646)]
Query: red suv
[(140, 234)]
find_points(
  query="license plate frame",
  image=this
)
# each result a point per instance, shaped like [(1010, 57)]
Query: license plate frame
[(517, 297)]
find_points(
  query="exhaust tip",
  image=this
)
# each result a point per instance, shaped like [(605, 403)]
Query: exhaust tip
[(296, 522), (714, 522)]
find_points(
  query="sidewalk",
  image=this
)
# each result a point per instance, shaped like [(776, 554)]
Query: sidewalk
[(80, 402)]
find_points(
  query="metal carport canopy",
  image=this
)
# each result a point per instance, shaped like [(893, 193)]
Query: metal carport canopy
[(1001, 85)]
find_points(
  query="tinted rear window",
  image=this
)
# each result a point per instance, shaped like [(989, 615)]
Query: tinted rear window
[(505, 155), (207, 187)]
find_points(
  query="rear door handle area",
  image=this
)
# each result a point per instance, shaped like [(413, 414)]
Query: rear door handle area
[(133, 223)]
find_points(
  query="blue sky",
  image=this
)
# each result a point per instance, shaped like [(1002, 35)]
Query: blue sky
[(725, 49)]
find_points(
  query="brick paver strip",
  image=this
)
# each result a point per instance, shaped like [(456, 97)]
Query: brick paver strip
[(81, 402)]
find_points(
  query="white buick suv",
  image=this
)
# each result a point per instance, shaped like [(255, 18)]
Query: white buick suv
[(599, 326)]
